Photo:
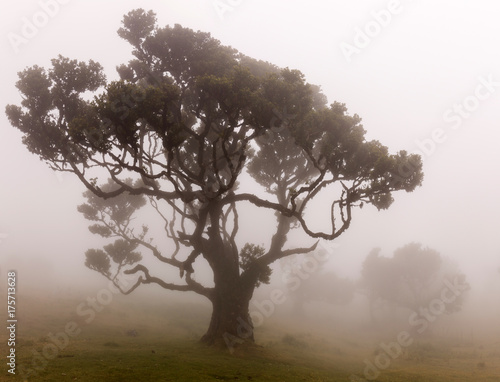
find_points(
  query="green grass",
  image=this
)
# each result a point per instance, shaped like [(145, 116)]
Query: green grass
[(166, 348), (95, 357)]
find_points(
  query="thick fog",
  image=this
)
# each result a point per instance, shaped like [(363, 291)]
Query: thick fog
[(424, 76)]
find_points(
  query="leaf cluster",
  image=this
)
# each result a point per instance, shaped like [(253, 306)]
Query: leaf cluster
[(249, 260), (121, 252)]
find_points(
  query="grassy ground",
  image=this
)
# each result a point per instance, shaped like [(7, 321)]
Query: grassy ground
[(166, 349)]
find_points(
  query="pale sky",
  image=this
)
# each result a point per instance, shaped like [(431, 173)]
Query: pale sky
[(424, 76)]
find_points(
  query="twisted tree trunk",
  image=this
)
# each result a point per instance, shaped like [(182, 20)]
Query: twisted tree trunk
[(230, 324)]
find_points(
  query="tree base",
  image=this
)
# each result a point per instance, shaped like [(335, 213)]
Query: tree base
[(231, 345), (229, 341), (230, 325)]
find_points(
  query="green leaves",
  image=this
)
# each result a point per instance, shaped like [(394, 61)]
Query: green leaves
[(119, 209), (233, 91), (90, 212), (185, 54), (75, 77), (121, 252), (249, 255), (336, 142), (34, 84), (51, 101), (137, 24), (119, 109), (98, 260)]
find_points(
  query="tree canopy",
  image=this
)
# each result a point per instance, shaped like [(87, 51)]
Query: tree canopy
[(187, 118), (412, 278)]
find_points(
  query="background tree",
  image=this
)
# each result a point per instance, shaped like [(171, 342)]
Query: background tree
[(189, 118), (318, 286), (412, 278)]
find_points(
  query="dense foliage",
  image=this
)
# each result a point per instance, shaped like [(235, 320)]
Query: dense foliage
[(187, 118)]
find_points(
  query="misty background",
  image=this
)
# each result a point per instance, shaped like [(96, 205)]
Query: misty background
[(429, 57)]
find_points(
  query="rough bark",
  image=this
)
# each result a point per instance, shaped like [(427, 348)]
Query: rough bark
[(230, 324)]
